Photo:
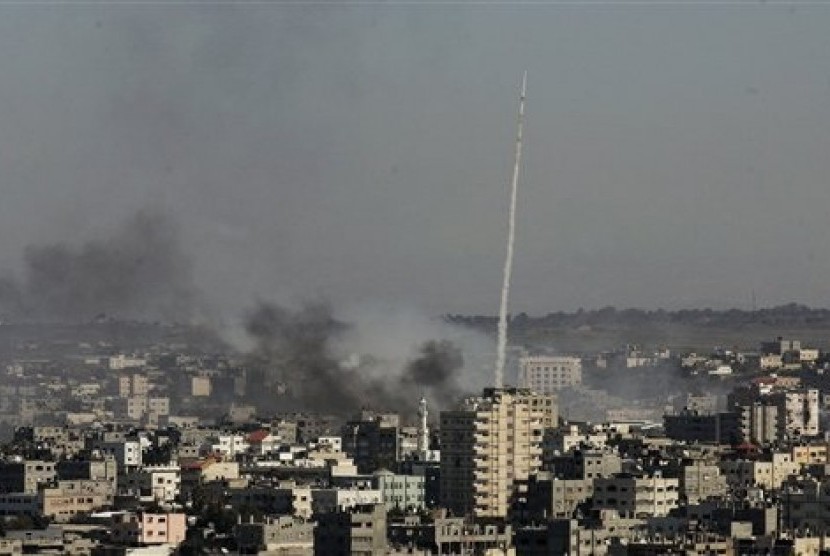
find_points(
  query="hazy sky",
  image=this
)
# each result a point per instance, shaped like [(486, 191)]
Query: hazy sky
[(676, 154)]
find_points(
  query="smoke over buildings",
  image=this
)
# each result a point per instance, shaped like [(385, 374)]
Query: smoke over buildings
[(436, 368), (139, 272), (307, 359)]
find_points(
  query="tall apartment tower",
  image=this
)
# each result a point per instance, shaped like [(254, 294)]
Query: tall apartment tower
[(489, 445)]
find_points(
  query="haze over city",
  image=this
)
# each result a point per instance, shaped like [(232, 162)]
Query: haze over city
[(675, 153)]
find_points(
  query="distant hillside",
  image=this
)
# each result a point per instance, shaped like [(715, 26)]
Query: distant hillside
[(692, 329)]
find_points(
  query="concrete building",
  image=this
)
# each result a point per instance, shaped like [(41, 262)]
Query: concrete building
[(18, 504), (229, 444), (66, 499), (455, 535), (11, 547), (200, 386), (127, 453), (95, 469), (123, 361), (286, 535), (25, 476), (770, 472), (158, 406), (489, 445), (761, 423), (143, 528), (135, 407), (576, 537), (135, 384), (581, 464), (693, 426), (551, 497), (809, 355), (548, 374), (801, 413), (805, 504), (701, 480), (283, 500), (372, 442), (326, 500), (779, 416), (361, 531), (771, 361), (637, 496), (403, 492), (568, 438), (154, 483), (51, 540), (51, 435), (810, 454)]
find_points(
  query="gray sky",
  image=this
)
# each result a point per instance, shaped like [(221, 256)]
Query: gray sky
[(676, 155)]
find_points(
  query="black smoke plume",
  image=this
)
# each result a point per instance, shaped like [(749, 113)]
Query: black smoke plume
[(141, 272), (293, 356), (436, 369), (301, 359)]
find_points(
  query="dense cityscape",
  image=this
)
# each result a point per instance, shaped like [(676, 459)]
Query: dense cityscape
[(414, 277), (131, 438)]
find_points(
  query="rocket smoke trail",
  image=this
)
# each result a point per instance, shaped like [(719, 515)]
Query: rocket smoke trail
[(511, 238)]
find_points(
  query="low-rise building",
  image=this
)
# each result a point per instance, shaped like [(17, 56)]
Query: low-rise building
[(277, 535), (361, 530), (143, 528), (636, 496), (402, 492), (66, 499), (155, 483), (25, 475)]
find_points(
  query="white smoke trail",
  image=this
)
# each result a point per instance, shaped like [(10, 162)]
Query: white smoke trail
[(511, 239)]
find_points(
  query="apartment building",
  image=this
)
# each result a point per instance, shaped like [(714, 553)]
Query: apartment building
[(489, 445), (404, 492), (701, 480), (25, 476), (637, 496), (66, 499), (133, 385), (779, 416), (548, 374), (581, 464), (555, 498), (801, 413), (361, 530), (142, 528), (282, 534), (771, 472), (154, 483)]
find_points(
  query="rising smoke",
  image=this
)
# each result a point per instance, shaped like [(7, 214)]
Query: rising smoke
[(306, 360), (141, 273), (501, 347)]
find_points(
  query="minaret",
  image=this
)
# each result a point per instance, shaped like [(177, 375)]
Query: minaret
[(423, 429)]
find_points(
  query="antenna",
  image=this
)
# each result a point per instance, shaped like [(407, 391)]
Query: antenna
[(501, 347)]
